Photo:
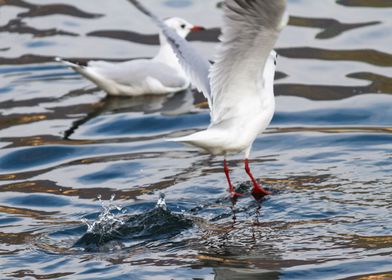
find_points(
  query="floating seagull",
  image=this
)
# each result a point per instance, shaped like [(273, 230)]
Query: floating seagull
[(239, 86), (159, 75)]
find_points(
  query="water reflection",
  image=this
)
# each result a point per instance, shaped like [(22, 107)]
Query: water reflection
[(49, 9), (364, 3), (326, 157), (170, 105), (331, 28), (20, 27), (379, 84), (373, 57)]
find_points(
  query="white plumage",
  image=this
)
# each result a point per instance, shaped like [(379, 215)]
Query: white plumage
[(160, 75), (239, 86)]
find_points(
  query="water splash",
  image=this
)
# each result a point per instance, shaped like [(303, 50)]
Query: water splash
[(161, 203), (108, 221), (111, 229)]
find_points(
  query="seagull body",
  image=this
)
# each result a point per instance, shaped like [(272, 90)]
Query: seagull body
[(160, 75), (233, 131), (239, 86)]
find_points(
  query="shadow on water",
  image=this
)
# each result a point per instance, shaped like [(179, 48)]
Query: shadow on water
[(169, 105)]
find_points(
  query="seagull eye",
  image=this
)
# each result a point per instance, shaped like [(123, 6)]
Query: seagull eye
[(182, 26)]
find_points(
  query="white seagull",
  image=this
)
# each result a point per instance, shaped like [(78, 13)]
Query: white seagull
[(239, 86), (160, 75)]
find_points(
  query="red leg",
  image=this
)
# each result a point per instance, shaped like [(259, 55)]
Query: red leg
[(228, 176), (231, 188), (257, 190)]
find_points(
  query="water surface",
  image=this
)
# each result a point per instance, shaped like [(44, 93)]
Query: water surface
[(327, 156)]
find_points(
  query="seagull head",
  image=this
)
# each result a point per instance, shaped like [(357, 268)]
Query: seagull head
[(182, 27)]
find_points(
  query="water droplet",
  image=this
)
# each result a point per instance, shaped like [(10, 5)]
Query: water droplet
[(161, 203), (107, 222)]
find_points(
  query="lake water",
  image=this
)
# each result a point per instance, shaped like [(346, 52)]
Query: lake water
[(327, 156)]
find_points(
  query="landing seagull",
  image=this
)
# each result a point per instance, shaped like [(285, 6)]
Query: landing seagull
[(159, 75), (239, 86)]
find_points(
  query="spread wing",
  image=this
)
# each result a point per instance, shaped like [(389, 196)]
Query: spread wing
[(195, 66), (250, 30)]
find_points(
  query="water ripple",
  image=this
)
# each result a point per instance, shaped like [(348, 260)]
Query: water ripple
[(326, 158)]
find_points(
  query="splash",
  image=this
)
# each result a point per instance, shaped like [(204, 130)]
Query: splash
[(111, 228), (161, 203), (109, 220)]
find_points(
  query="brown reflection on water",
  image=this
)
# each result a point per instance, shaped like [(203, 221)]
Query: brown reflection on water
[(25, 59), (9, 121), (130, 36), (370, 242), (378, 84), (332, 129), (35, 10), (207, 35), (378, 276), (222, 245), (20, 27), (58, 140), (50, 187), (366, 3), (35, 214), (370, 56), (225, 245), (331, 27), (238, 261), (54, 140), (23, 273), (126, 193), (19, 238), (42, 140), (299, 181), (38, 59), (232, 248)]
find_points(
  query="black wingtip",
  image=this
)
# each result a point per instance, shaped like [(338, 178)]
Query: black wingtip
[(82, 63)]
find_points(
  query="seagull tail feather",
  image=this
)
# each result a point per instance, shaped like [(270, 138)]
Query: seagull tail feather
[(68, 63)]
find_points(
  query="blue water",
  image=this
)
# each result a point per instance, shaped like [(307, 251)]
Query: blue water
[(326, 158)]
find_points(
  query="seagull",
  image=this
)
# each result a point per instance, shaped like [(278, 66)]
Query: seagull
[(160, 75), (239, 86)]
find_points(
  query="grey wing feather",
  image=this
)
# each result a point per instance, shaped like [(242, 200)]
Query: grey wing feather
[(195, 66), (250, 30)]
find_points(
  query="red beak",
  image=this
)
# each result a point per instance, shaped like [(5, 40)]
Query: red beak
[(196, 28)]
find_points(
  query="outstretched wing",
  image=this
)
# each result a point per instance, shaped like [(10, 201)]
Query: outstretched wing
[(250, 30), (195, 66)]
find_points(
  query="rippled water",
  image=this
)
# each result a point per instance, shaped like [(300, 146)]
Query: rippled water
[(327, 157)]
